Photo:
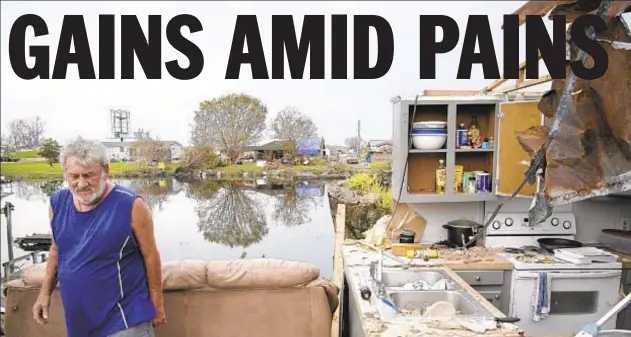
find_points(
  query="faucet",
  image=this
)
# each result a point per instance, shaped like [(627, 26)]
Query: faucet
[(376, 270)]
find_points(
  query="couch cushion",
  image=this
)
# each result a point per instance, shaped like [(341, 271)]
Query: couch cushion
[(259, 273)]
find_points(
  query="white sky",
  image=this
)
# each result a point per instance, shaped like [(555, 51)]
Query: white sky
[(73, 107)]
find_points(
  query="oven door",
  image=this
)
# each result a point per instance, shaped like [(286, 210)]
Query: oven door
[(577, 298)]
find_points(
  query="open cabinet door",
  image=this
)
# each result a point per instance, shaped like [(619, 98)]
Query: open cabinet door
[(511, 157)]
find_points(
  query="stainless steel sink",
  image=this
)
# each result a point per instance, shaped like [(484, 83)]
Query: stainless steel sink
[(413, 300), (397, 278), (410, 301)]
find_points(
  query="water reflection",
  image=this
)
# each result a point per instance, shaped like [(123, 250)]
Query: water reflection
[(211, 219), (231, 217)]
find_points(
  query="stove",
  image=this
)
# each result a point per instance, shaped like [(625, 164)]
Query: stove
[(513, 230), (579, 293), (548, 262)]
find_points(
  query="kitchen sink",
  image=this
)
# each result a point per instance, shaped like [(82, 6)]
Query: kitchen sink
[(413, 303), (414, 300), (397, 278)]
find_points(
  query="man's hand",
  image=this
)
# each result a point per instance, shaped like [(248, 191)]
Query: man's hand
[(40, 309), (142, 226), (161, 317)]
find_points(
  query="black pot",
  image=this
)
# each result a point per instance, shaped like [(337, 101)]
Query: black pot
[(459, 230), (406, 236)]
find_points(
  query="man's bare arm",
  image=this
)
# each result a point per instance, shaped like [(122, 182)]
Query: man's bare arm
[(50, 280), (142, 226)]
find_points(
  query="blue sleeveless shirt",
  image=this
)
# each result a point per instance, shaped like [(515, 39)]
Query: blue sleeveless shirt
[(101, 271)]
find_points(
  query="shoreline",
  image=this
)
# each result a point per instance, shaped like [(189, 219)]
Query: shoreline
[(230, 172)]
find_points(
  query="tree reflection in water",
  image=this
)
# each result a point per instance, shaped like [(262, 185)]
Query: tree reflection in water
[(227, 214), (34, 191), (48, 187), (155, 193), (291, 209)]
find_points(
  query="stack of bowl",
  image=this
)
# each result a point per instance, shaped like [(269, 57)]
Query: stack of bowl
[(429, 135)]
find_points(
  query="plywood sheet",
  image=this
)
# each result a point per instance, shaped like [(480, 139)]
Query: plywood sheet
[(516, 116)]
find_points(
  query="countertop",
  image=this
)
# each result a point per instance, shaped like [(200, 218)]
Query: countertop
[(625, 259), (476, 258), (357, 261)]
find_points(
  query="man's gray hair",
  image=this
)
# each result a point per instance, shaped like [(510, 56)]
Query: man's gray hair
[(84, 151)]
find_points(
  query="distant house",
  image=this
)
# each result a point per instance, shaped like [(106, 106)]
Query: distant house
[(310, 147), (337, 149), (122, 150), (275, 149), (176, 150), (118, 150), (379, 146)]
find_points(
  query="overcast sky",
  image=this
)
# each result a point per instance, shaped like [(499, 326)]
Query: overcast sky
[(74, 107)]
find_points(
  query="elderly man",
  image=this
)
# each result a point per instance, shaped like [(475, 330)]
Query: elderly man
[(103, 253)]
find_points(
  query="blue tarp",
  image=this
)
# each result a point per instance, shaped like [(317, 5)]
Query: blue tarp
[(308, 146), (308, 190)]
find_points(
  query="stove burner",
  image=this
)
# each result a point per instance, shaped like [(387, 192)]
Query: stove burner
[(444, 243), (514, 250), (528, 250)]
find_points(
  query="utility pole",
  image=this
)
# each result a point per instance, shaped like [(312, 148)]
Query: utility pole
[(359, 137)]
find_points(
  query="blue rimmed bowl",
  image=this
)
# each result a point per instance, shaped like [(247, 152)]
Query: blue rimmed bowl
[(429, 138)]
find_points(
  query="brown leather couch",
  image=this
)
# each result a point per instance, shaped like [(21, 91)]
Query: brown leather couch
[(250, 302)]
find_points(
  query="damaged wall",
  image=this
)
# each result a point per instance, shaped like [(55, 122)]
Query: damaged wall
[(591, 154)]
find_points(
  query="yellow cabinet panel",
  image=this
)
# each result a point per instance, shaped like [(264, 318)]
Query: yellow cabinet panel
[(516, 116)]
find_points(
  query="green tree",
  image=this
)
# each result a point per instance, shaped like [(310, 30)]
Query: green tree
[(200, 157), (229, 123), (50, 151), (289, 125)]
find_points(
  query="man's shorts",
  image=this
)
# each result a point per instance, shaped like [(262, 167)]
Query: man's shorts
[(140, 330)]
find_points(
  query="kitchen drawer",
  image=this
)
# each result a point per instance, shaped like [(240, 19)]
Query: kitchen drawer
[(478, 278), (495, 297)]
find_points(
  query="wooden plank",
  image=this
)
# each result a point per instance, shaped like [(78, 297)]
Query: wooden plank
[(338, 263), (493, 85), (525, 84), (537, 8), (438, 92)]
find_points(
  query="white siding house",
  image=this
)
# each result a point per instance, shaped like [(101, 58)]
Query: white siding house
[(121, 151), (176, 150), (117, 150)]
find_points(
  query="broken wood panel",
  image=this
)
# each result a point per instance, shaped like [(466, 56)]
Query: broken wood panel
[(338, 262), (516, 116)]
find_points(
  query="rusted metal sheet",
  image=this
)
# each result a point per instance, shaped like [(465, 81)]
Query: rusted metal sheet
[(591, 154), (575, 9)]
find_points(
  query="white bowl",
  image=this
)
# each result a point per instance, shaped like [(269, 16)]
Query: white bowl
[(428, 142), (429, 125)]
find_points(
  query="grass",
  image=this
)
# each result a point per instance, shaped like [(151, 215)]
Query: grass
[(366, 183), (251, 167), (41, 169), (248, 167), (24, 154), (379, 166)]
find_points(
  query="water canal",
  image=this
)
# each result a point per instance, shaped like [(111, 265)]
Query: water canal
[(210, 219)]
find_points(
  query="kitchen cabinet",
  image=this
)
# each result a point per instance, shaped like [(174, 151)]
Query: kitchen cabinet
[(414, 171), (493, 285), (623, 320)]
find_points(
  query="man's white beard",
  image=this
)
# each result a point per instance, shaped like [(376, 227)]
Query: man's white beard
[(95, 195)]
